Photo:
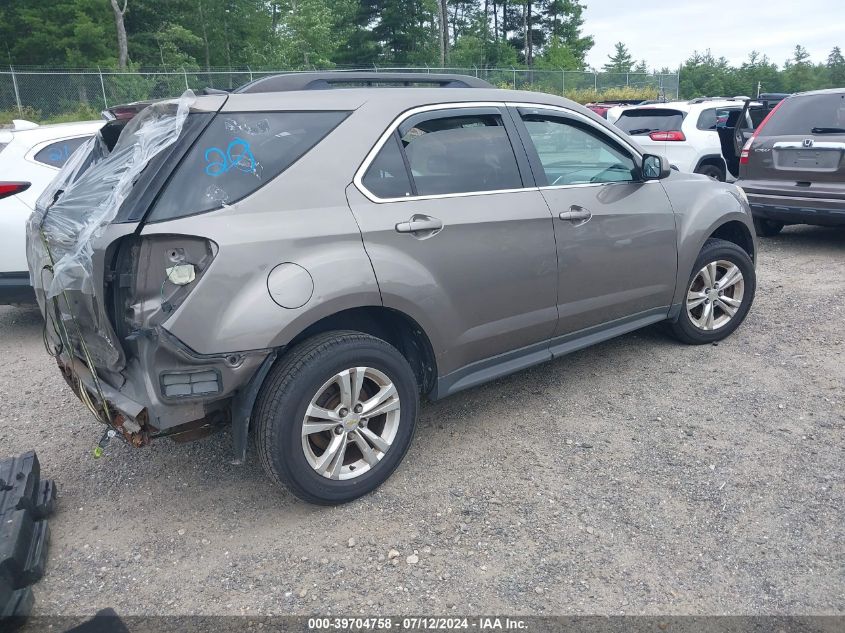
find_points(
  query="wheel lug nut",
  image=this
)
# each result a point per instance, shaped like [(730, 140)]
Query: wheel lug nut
[(358, 408), (363, 422), (338, 429), (343, 413)]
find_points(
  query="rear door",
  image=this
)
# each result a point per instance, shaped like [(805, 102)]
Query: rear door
[(464, 244), (801, 148), (616, 242)]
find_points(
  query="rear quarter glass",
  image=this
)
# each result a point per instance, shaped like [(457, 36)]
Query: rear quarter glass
[(238, 154), (799, 115), (56, 154)]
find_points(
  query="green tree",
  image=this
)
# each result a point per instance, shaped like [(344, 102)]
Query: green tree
[(836, 68), (563, 21), (621, 60)]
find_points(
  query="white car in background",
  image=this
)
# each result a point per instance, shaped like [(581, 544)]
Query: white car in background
[(30, 157), (686, 132)]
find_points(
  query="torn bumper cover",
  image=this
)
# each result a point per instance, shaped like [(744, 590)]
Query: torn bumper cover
[(169, 391)]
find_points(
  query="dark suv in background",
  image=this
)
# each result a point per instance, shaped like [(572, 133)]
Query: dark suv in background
[(793, 165)]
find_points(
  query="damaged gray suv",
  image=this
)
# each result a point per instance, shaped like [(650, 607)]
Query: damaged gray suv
[(310, 254)]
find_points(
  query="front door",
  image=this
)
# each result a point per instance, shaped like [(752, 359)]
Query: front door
[(615, 234), (457, 239)]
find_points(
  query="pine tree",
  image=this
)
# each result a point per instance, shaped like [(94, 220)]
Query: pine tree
[(621, 60)]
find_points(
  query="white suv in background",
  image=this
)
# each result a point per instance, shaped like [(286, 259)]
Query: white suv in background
[(683, 131), (30, 157)]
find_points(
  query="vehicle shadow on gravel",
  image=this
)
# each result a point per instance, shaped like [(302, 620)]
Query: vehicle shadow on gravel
[(809, 236), (204, 466), (20, 320)]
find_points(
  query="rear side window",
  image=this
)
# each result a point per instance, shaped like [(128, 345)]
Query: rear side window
[(387, 176), (238, 154), (644, 121), (460, 154), (56, 154), (808, 115)]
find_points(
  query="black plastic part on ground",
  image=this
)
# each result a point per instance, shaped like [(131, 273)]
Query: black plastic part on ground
[(25, 502)]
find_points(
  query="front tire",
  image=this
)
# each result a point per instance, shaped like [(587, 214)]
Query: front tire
[(767, 228), (719, 294), (336, 416)]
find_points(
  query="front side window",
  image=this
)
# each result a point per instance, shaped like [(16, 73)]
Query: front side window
[(56, 154), (460, 154), (238, 154), (573, 154)]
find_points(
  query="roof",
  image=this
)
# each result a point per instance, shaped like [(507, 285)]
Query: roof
[(825, 91), (37, 133), (689, 106), (403, 98), (287, 82)]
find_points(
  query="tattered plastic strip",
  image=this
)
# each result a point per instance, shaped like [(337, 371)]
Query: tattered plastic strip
[(88, 193)]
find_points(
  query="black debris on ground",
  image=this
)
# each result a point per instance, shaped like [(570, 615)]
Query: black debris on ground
[(25, 502)]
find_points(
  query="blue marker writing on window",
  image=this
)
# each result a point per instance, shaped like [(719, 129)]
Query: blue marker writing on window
[(59, 153), (238, 155)]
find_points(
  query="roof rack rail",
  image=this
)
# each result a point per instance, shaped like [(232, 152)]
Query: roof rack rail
[(706, 99), (326, 80)]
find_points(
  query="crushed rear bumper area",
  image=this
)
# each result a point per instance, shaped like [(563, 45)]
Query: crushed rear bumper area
[(167, 390)]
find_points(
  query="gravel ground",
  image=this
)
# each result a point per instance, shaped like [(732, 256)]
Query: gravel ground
[(639, 476)]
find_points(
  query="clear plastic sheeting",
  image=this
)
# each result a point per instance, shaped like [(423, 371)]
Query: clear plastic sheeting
[(88, 193)]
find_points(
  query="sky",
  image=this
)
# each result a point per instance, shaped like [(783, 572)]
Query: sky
[(667, 33)]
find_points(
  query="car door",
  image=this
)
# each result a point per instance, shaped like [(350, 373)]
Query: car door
[(615, 233), (458, 237)]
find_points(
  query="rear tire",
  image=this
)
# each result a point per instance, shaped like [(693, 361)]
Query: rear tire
[(310, 379), (722, 281), (767, 228), (712, 171)]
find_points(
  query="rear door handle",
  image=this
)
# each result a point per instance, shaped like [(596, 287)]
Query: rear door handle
[(419, 224), (575, 214)]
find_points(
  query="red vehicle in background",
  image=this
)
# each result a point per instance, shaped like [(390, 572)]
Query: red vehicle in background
[(601, 107)]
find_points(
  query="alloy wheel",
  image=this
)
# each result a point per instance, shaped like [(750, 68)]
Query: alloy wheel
[(351, 423), (715, 295)]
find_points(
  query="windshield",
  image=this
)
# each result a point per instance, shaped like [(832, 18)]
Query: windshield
[(646, 120), (804, 115)]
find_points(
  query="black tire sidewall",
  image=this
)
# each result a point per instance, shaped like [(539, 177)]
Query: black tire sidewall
[(707, 170), (767, 228), (285, 423), (711, 252)]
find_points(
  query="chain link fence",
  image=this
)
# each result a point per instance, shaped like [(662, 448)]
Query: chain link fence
[(46, 94)]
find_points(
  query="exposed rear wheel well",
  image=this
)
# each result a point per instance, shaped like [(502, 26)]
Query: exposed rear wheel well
[(392, 326), (737, 233)]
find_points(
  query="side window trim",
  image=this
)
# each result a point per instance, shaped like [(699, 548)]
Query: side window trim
[(447, 110), (518, 109)]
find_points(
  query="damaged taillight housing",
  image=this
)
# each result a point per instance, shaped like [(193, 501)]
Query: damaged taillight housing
[(152, 276)]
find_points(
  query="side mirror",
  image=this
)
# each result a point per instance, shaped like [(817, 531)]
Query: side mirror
[(655, 167)]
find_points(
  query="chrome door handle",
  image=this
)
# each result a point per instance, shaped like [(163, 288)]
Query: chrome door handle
[(575, 214), (419, 224)]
